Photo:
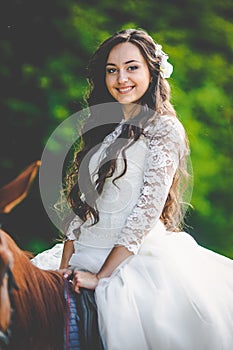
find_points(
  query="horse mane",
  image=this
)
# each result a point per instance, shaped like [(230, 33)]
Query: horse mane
[(4, 262), (39, 304)]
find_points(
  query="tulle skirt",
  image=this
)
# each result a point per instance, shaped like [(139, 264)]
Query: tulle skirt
[(173, 295)]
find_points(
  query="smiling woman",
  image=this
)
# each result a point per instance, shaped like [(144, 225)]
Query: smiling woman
[(127, 75), (155, 287)]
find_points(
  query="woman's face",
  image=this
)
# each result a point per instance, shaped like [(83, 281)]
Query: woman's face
[(127, 73)]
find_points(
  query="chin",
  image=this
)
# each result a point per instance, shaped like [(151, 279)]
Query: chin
[(126, 101)]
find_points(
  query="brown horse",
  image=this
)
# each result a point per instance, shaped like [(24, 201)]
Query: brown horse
[(6, 261), (15, 191), (39, 303), (44, 305)]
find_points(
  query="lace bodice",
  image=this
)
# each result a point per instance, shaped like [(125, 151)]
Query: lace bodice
[(131, 209)]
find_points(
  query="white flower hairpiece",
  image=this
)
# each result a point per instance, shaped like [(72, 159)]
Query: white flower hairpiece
[(166, 68)]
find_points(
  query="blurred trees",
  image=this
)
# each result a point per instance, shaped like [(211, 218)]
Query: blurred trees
[(45, 47)]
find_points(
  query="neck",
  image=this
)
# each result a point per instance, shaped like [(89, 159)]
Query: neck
[(130, 110)]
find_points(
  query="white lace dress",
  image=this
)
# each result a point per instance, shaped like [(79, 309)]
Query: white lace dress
[(171, 294)]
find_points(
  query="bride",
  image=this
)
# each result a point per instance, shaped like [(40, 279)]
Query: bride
[(155, 287)]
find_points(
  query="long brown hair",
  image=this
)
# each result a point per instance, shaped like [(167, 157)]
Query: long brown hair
[(154, 103)]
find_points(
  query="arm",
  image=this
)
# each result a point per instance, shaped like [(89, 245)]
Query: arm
[(66, 255), (117, 255), (165, 149), (90, 280), (71, 235)]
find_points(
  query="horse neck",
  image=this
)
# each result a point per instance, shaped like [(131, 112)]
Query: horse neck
[(5, 306), (39, 304)]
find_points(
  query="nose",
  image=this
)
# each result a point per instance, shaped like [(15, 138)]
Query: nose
[(122, 76)]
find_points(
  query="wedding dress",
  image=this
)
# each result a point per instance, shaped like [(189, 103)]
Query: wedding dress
[(171, 294)]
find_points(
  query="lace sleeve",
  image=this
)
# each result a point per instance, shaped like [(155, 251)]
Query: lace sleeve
[(73, 230), (165, 148)]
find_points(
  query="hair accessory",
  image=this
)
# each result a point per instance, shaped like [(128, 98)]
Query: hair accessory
[(166, 68)]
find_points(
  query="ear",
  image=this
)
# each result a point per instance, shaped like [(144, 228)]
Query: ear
[(16, 190)]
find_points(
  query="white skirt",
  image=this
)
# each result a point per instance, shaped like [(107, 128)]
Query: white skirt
[(173, 295)]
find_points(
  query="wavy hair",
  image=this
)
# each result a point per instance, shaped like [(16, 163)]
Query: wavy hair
[(154, 103)]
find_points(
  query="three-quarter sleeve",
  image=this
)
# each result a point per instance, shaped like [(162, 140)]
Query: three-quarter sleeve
[(166, 146)]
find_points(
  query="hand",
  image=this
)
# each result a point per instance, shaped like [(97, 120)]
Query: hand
[(65, 272), (84, 279)]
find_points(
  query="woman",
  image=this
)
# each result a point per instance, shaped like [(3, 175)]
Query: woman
[(155, 288)]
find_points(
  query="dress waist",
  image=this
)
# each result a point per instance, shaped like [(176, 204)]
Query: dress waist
[(91, 251)]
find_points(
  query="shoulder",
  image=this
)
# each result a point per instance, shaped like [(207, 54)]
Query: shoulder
[(165, 126), (167, 133)]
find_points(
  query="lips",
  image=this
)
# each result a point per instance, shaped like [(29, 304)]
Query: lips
[(125, 90)]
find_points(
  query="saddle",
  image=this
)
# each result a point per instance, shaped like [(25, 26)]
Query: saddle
[(81, 328), (87, 311)]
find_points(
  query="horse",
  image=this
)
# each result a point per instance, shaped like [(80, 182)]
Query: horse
[(39, 303), (46, 311), (37, 321), (16, 190), (6, 261)]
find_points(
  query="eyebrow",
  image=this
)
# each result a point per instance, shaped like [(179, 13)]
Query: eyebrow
[(127, 62)]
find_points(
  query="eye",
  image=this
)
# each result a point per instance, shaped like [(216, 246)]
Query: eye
[(132, 68), (111, 70)]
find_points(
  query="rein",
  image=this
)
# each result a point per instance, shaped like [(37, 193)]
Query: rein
[(5, 336), (72, 339)]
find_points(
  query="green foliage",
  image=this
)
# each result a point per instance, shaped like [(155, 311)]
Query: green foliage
[(43, 82)]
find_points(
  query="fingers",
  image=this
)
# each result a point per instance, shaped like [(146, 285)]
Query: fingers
[(84, 279), (75, 286), (76, 289), (81, 277), (77, 279), (65, 272)]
